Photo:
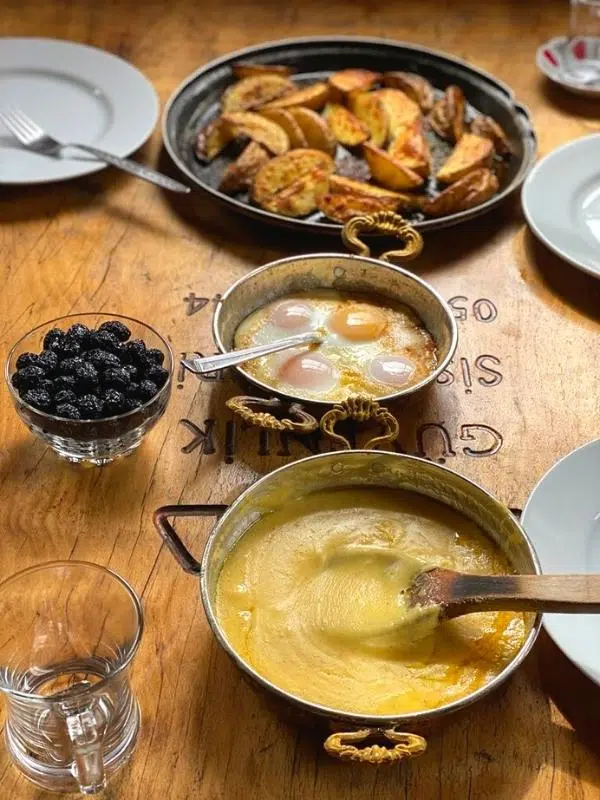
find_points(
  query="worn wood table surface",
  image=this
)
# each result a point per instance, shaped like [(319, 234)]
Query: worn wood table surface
[(522, 391)]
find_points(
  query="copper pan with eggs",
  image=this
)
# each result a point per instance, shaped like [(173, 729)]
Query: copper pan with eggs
[(386, 332)]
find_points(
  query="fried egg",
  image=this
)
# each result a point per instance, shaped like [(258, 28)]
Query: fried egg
[(371, 345)]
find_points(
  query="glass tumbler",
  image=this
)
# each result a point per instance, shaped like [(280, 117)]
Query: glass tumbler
[(585, 18), (69, 632)]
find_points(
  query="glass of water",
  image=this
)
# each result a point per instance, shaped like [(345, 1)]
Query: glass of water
[(69, 633)]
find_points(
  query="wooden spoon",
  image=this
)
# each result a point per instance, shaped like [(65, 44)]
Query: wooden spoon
[(457, 593)]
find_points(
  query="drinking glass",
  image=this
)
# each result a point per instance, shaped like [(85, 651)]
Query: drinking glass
[(69, 632), (585, 18)]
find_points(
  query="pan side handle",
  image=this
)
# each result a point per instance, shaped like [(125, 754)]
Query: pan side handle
[(170, 536)]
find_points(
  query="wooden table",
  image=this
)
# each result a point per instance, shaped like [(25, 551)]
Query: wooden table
[(522, 391)]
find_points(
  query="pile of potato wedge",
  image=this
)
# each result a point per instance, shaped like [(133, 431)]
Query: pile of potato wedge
[(292, 133)]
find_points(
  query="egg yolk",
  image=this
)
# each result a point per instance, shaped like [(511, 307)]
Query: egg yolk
[(358, 324), (308, 371), (393, 370), (292, 315)]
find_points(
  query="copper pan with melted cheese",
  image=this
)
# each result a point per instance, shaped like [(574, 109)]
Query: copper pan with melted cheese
[(285, 602)]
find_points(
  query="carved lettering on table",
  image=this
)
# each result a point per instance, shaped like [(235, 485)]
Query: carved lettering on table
[(194, 304), (468, 372), (434, 441), (482, 435), (435, 431), (204, 439), (482, 309)]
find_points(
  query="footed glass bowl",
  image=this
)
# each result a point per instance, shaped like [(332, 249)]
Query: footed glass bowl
[(97, 441)]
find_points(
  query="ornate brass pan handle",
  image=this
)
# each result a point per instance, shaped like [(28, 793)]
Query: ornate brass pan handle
[(386, 222), (360, 409), (344, 746)]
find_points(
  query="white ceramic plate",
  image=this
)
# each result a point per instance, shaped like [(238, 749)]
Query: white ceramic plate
[(561, 201), (78, 94), (562, 519)]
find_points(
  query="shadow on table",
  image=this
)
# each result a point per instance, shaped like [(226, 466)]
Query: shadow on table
[(575, 695), (233, 231), (558, 283), (572, 104)]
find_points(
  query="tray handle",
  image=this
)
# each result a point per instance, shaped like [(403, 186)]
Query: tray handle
[(170, 536), (386, 222), (405, 745)]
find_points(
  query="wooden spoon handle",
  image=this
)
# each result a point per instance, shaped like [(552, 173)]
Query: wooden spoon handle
[(562, 594)]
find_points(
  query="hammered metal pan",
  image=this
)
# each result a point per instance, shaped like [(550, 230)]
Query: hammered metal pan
[(196, 102)]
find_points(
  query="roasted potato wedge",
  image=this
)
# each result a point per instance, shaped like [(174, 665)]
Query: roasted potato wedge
[(470, 153), (342, 83), (212, 139), (470, 191), (369, 109), (301, 197), (316, 131), (399, 200), (255, 91), (447, 116), (342, 207), (239, 175), (281, 172), (400, 110), (414, 86), (260, 129), (488, 127), (411, 149), (346, 128), (244, 69), (314, 97), (389, 172), (285, 119)]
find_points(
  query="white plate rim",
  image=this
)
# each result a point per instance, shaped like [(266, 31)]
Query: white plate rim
[(150, 101), (526, 203), (547, 618)]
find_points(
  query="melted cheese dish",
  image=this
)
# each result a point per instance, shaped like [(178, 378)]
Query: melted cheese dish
[(370, 345), (310, 595)]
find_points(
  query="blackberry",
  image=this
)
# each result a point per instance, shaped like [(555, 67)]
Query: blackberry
[(28, 360), (47, 385), (27, 378), (130, 403), (53, 339), (90, 406), (147, 390), (132, 370), (70, 346), (157, 375), (132, 390), (117, 328), (64, 382), (116, 378), (68, 410), (38, 398), (48, 361), (102, 359), (86, 377), (68, 365), (65, 396), (108, 341), (155, 356), (78, 331), (114, 402), (134, 351)]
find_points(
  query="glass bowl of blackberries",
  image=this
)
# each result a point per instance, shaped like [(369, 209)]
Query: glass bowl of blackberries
[(90, 385)]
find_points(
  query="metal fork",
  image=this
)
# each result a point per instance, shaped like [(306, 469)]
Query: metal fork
[(35, 138)]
